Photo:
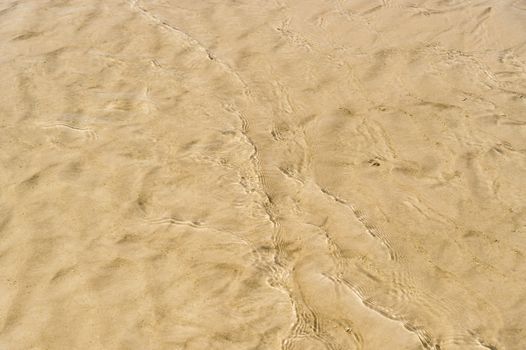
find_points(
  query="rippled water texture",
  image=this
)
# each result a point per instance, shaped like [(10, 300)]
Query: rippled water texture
[(234, 175)]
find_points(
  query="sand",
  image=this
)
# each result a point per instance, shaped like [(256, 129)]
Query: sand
[(296, 175)]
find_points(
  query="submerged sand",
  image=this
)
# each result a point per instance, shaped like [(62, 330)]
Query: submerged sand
[(296, 175)]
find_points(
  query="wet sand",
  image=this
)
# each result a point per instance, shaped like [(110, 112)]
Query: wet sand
[(294, 175)]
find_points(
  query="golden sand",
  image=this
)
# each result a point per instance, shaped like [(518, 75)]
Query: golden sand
[(235, 175)]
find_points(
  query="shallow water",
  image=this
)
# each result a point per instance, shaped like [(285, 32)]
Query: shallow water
[(263, 174)]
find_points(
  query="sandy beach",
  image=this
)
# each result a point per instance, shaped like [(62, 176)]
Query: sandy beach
[(253, 175)]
